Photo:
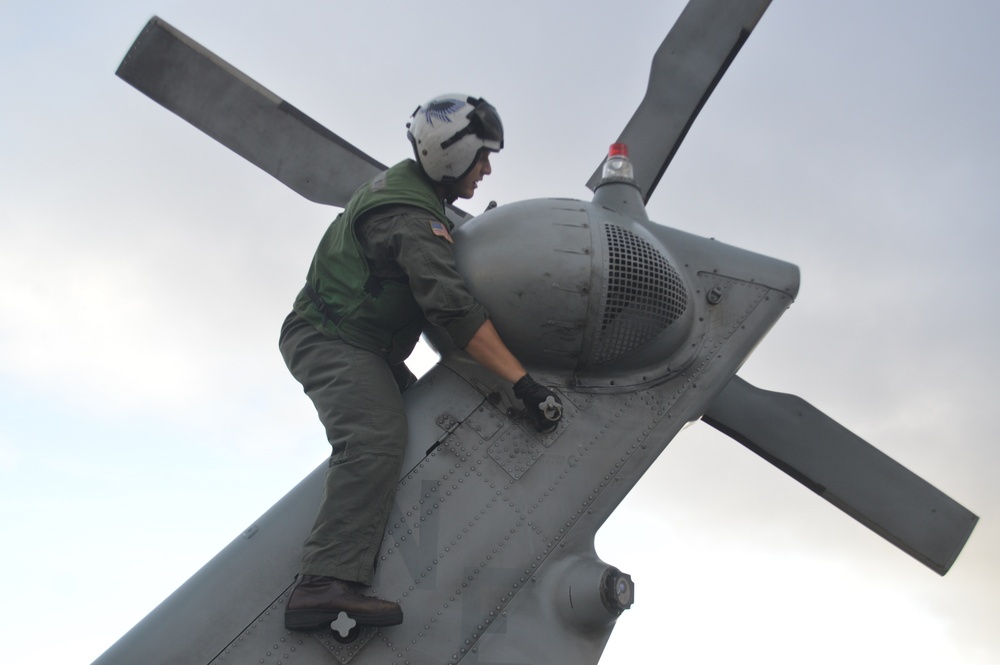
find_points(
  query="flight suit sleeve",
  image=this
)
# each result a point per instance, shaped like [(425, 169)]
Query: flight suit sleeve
[(427, 261)]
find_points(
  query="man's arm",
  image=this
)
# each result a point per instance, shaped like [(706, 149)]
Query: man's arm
[(427, 260), (488, 350)]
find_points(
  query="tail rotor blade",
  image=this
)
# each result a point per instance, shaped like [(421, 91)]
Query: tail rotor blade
[(846, 471), (686, 68), (188, 79)]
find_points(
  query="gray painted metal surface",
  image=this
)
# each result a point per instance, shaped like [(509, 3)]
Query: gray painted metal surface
[(202, 88), (686, 68), (639, 327), (184, 77), (845, 470)]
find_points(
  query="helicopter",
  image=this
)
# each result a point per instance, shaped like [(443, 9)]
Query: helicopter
[(643, 328)]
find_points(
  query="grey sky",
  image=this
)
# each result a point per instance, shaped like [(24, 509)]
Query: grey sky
[(146, 418)]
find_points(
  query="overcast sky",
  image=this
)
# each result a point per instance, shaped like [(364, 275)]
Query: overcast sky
[(146, 417)]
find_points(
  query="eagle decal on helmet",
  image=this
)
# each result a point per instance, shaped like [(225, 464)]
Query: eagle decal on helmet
[(441, 109)]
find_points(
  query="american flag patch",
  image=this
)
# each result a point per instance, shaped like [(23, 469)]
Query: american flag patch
[(440, 229)]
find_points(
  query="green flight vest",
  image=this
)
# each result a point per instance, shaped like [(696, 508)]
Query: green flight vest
[(341, 298)]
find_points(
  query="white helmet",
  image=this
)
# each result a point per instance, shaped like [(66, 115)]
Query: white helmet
[(449, 132)]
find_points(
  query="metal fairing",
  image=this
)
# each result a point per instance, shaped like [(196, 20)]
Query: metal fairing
[(620, 302)]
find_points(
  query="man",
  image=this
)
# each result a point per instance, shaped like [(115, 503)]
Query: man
[(383, 270)]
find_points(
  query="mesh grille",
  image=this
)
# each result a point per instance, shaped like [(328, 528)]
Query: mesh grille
[(643, 295)]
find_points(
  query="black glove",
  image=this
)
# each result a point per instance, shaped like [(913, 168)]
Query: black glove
[(543, 405)]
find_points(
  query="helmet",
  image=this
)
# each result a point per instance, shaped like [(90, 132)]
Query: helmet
[(449, 132)]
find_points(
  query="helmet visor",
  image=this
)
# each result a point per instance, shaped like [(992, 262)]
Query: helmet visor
[(484, 123)]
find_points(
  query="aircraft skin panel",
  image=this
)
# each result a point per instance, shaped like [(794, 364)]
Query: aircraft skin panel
[(197, 621), (574, 480), (606, 447), (437, 403)]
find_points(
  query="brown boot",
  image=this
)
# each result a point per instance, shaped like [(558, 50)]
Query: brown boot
[(317, 600)]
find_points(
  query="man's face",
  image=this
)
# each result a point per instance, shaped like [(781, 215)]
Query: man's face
[(466, 187)]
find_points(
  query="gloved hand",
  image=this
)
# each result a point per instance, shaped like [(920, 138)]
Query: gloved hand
[(543, 405)]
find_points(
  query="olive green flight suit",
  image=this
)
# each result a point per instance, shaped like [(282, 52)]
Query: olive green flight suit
[(390, 257)]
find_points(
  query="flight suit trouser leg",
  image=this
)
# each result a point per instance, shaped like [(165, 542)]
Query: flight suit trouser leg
[(359, 404)]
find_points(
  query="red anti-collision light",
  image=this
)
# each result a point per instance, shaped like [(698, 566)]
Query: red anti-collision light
[(618, 150)]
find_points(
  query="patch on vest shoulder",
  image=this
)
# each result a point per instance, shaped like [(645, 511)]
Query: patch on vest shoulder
[(440, 229), (379, 182)]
